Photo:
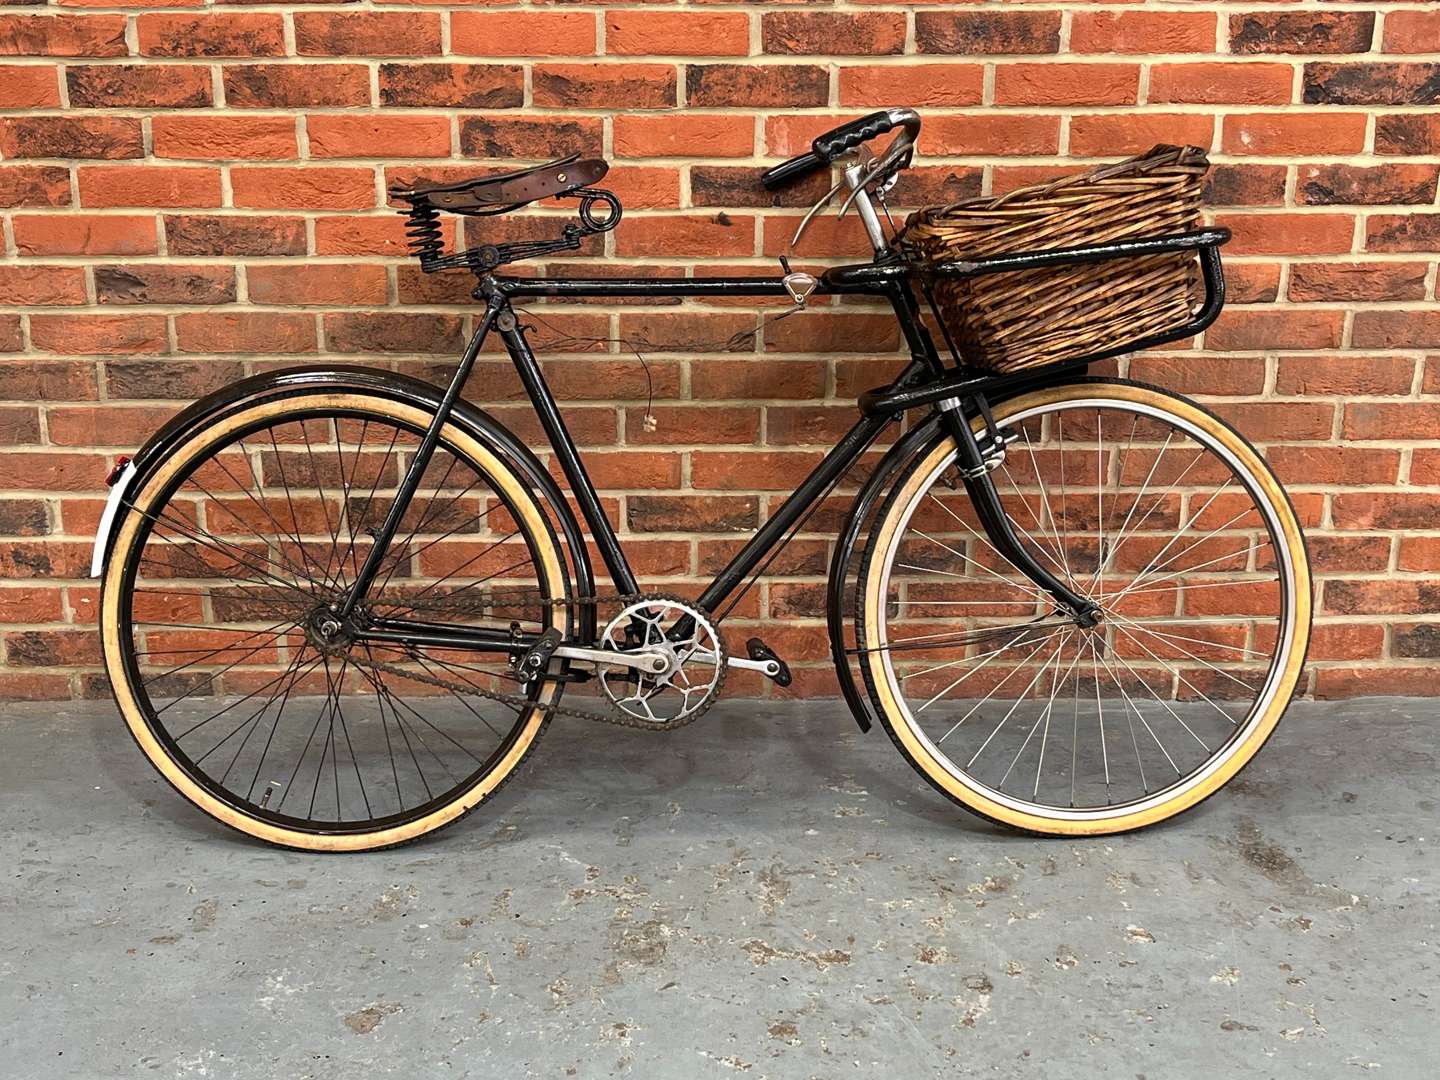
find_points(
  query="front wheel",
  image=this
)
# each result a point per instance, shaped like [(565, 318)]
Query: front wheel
[(241, 690), (1167, 519)]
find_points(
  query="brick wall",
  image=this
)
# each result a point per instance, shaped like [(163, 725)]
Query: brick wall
[(192, 193)]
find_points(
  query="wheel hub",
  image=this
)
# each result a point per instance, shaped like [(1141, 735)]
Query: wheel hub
[(328, 633)]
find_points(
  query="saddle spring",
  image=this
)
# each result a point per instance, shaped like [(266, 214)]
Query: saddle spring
[(425, 238)]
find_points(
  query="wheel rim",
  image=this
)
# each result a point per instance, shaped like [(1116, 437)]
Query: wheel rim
[(312, 759), (1011, 726)]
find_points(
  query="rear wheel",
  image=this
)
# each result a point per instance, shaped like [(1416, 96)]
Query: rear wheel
[(1168, 520), (227, 666)]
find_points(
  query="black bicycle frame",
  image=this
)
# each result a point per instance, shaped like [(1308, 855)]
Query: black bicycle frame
[(925, 380)]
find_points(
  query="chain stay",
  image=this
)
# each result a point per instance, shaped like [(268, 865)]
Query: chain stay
[(519, 701)]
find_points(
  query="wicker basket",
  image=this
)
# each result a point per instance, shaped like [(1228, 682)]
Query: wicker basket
[(1030, 318)]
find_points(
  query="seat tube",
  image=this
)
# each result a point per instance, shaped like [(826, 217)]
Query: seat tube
[(581, 486)]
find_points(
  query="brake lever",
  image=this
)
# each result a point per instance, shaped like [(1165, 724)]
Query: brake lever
[(897, 156)]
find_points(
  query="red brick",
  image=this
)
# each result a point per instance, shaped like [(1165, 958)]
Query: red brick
[(34, 185), (1309, 466), (1345, 376), (756, 470), (473, 86), (990, 134), (366, 33), (379, 136), (970, 33), (130, 86), (832, 33), (229, 34), (534, 136), (85, 234), (324, 283), (1386, 420), (29, 284), (588, 86), (1403, 232), (1357, 282), (1407, 133), (917, 84), (392, 331), (1142, 32), (1221, 83), (1328, 83), (1245, 185), (1288, 234), (307, 188), (1278, 421), (1108, 134), (212, 137), (29, 86), (203, 234), (105, 334), (677, 33), (1396, 330), (1265, 330), (1411, 32), (70, 137), (756, 86), (157, 283), (1066, 84), (690, 235), (244, 332), (1302, 32), (148, 185), (351, 235), (522, 33), (62, 35), (290, 86), (705, 135), (106, 425), (1252, 283), (1293, 134), (1361, 184)]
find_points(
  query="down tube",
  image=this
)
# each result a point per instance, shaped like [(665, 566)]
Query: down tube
[(831, 467)]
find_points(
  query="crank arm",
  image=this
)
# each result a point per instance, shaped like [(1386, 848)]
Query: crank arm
[(651, 663), (770, 668)]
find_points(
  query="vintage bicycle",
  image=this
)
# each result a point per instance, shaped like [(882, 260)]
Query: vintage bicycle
[(340, 605)]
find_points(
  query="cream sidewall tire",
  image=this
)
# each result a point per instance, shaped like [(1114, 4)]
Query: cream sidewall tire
[(495, 472), (1258, 727)]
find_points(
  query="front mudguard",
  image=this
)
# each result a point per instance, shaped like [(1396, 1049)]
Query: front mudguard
[(389, 384), (839, 607)]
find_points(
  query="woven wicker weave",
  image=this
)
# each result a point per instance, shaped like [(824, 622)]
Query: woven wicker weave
[(1030, 318)]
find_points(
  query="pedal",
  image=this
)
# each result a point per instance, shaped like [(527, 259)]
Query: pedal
[(533, 663), (761, 653)]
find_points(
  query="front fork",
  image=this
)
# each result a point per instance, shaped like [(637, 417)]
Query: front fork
[(975, 464)]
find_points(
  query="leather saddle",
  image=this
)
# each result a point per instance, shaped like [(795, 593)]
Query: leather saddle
[(509, 191)]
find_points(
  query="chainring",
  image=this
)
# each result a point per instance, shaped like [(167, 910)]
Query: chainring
[(698, 662)]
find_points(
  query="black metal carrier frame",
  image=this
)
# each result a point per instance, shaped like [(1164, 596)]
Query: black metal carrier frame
[(956, 393)]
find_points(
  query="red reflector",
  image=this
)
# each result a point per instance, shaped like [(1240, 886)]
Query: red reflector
[(120, 464)]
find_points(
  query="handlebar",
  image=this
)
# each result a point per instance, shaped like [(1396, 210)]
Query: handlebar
[(839, 141)]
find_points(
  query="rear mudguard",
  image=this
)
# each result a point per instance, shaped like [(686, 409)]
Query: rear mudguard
[(403, 388)]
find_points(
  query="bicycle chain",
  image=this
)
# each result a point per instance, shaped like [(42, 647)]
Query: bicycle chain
[(517, 701)]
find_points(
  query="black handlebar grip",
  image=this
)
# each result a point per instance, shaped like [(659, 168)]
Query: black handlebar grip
[(788, 172), (848, 136)]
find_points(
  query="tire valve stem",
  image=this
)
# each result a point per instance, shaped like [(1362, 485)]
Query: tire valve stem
[(270, 789)]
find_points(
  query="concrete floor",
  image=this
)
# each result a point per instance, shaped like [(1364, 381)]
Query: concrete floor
[(767, 893)]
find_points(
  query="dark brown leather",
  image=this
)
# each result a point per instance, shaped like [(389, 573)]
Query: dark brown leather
[(517, 188)]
